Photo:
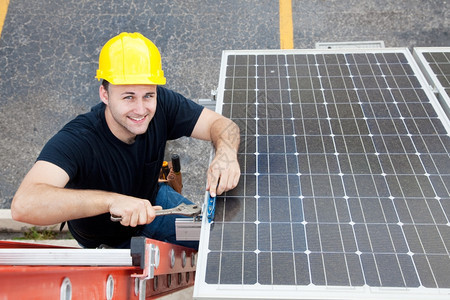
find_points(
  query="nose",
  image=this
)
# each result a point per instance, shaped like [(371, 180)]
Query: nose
[(140, 108)]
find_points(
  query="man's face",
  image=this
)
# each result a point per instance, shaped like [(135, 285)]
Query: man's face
[(129, 109)]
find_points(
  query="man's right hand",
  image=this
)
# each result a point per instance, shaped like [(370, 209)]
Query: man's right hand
[(133, 211)]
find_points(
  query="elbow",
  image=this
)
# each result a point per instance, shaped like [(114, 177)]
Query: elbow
[(28, 208), (19, 209), (16, 213)]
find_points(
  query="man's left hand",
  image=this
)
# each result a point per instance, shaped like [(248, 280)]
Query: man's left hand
[(223, 173)]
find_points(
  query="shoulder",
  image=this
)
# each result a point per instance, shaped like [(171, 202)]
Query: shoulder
[(92, 118), (174, 101), (75, 142), (84, 125), (164, 94), (180, 113)]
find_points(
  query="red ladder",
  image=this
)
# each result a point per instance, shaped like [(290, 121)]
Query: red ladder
[(148, 270)]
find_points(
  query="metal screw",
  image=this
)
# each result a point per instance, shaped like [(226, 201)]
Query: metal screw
[(193, 257), (172, 258), (169, 280), (66, 289), (155, 283), (183, 259), (109, 287), (136, 286), (157, 257)]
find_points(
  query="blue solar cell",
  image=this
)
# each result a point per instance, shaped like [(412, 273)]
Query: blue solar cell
[(346, 176)]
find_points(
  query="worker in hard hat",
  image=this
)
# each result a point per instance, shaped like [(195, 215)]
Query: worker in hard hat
[(107, 161)]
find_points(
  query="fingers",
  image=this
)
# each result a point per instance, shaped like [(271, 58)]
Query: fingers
[(221, 180), (150, 215), (228, 181), (136, 217), (157, 207), (213, 180), (134, 212)]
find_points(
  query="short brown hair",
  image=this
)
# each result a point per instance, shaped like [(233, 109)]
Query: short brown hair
[(105, 84)]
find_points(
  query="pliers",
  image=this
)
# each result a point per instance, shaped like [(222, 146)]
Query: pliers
[(188, 210)]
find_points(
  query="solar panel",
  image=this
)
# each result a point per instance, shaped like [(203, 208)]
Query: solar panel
[(435, 64), (345, 180)]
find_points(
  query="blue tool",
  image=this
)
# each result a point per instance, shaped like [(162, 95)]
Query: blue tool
[(211, 208)]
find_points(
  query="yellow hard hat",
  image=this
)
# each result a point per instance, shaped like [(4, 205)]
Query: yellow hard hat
[(130, 58)]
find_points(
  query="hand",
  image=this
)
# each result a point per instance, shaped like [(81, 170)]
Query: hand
[(223, 173), (133, 211)]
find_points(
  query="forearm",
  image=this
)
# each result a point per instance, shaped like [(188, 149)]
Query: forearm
[(225, 136), (224, 170), (42, 200), (43, 204)]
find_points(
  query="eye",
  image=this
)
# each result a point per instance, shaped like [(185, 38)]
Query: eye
[(128, 98)]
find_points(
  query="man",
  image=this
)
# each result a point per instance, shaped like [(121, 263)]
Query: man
[(107, 162)]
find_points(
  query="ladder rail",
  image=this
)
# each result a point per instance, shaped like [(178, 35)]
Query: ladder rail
[(66, 257)]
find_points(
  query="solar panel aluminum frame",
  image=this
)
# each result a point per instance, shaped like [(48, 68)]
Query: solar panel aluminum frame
[(430, 75), (203, 290)]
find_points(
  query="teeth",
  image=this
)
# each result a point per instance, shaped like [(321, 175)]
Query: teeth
[(137, 119)]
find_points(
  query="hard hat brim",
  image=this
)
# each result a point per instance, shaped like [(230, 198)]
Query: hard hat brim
[(133, 80)]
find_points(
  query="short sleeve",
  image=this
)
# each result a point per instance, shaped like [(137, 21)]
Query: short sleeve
[(65, 150), (181, 113)]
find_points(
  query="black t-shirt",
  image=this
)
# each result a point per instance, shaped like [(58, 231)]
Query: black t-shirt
[(95, 159)]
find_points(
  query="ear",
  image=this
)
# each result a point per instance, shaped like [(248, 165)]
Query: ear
[(103, 93)]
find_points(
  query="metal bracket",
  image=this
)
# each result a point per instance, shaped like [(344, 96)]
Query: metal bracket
[(188, 229), (346, 45), (150, 257), (209, 103)]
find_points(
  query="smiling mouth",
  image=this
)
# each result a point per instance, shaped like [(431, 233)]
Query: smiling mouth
[(137, 119)]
